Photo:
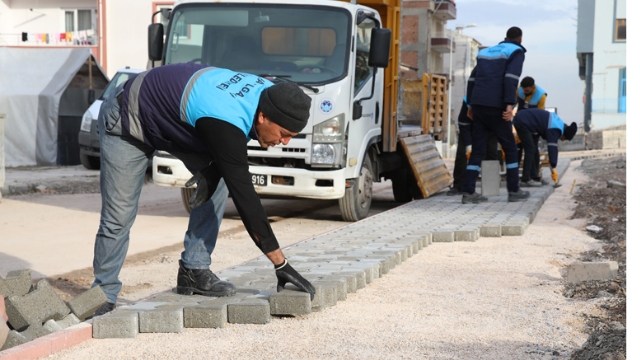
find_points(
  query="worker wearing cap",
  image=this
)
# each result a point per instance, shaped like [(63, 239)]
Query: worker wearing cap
[(204, 116), (534, 123), (531, 96)]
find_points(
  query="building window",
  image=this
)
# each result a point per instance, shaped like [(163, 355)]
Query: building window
[(68, 21), (621, 30), (84, 20)]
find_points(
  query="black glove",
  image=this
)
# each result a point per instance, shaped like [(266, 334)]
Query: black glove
[(207, 181), (286, 273)]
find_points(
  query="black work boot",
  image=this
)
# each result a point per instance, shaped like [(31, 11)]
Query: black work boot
[(520, 195), (105, 308), (203, 282), (474, 198)]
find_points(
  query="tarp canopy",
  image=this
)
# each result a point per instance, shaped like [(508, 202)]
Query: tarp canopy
[(32, 82)]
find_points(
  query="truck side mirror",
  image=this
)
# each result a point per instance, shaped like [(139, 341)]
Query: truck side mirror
[(155, 41), (380, 47)]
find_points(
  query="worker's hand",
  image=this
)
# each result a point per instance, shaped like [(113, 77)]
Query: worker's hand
[(469, 113), (507, 114), (287, 274), (468, 152), (554, 175), (207, 181)]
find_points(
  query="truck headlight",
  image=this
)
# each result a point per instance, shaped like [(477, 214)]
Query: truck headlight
[(85, 125), (331, 130), (323, 154)]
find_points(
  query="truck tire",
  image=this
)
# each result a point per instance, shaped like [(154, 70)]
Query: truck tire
[(186, 195), (90, 162), (356, 202)]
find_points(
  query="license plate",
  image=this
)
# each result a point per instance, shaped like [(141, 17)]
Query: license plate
[(259, 180)]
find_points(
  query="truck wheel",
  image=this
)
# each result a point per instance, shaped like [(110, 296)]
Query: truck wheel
[(186, 195), (356, 202), (90, 162)]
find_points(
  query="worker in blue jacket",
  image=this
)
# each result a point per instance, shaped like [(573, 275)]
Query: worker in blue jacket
[(532, 124), (531, 96), (204, 116), (491, 91), (463, 152)]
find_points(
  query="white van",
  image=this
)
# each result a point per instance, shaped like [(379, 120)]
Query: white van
[(88, 137)]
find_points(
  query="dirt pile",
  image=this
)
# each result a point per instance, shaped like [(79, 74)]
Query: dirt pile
[(602, 202)]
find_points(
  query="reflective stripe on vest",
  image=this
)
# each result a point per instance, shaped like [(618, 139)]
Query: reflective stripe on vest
[(133, 107)]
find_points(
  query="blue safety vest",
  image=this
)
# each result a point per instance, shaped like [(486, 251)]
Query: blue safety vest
[(533, 102)]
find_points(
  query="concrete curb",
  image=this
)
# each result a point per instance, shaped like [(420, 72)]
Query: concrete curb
[(49, 344)]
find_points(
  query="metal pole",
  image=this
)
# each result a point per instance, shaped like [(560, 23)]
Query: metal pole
[(449, 95)]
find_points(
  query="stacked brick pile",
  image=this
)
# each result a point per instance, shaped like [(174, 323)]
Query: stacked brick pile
[(35, 311)]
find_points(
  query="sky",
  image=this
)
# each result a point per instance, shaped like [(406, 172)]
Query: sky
[(549, 30)]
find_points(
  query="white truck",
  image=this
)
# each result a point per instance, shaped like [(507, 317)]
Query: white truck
[(337, 52)]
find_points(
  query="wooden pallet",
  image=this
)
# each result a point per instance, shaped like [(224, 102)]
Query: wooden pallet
[(434, 115), (428, 167)]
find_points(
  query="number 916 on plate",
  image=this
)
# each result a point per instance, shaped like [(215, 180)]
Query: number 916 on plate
[(259, 180)]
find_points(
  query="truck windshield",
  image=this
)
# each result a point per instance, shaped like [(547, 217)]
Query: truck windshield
[(305, 44)]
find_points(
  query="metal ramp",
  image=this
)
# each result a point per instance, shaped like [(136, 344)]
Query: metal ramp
[(428, 167)]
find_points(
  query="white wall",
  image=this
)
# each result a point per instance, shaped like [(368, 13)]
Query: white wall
[(32, 17), (126, 29), (609, 57)]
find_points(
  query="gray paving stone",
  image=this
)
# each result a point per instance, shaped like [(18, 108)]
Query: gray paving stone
[(35, 331), (317, 304), (369, 270), (467, 234), (443, 236), (163, 319), (587, 271), (515, 227), (17, 283), (68, 321), (361, 277), (208, 314), (290, 302), (86, 304), (119, 324), (52, 326), (36, 307), (333, 291), (14, 338), (249, 311), (350, 280), (491, 230)]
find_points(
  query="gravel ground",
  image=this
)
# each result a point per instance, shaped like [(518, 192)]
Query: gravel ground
[(496, 298)]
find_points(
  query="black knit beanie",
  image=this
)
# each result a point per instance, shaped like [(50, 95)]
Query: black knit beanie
[(286, 105), (570, 131)]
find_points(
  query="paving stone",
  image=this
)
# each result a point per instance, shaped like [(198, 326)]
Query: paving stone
[(330, 291), (86, 304), (163, 319), (490, 172), (350, 280), (361, 278), (13, 339), (35, 331), (515, 227), (36, 307), (290, 302), (491, 230), (68, 321), (17, 283), (369, 270), (587, 271), (340, 286), (208, 314), (249, 311), (169, 297), (443, 236), (119, 324), (52, 326), (466, 234)]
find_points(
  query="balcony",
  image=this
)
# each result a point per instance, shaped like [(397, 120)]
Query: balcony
[(442, 44), (445, 10)]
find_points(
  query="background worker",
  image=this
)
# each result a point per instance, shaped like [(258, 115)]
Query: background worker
[(534, 123), (531, 96), (204, 116), (463, 152), (491, 92)]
